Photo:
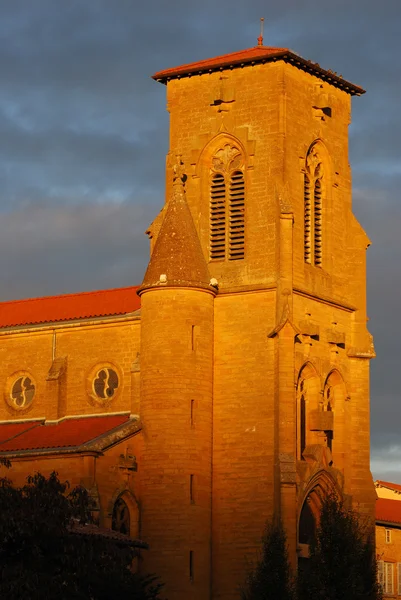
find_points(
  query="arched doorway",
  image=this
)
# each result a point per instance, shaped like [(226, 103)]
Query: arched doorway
[(321, 486)]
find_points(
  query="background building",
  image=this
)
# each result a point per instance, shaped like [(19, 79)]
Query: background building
[(388, 536), (236, 386)]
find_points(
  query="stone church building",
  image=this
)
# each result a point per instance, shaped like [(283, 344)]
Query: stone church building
[(233, 383)]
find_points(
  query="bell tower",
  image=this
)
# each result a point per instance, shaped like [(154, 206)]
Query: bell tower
[(263, 135)]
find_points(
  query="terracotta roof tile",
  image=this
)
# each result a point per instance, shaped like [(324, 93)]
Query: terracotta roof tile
[(10, 430), (253, 55), (388, 510), (387, 484), (64, 434), (69, 307)]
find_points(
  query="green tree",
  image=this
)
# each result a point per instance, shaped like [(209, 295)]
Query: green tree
[(271, 579), (42, 557), (342, 563)]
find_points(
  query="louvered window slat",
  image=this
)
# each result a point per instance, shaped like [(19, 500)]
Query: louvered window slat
[(380, 573), (388, 578), (227, 216), (236, 249), (313, 215), (307, 221), (218, 217), (318, 223), (399, 578), (385, 576)]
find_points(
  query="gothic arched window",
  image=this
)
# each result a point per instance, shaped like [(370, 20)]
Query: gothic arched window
[(121, 521), (308, 395), (334, 402), (302, 418), (313, 208), (227, 205)]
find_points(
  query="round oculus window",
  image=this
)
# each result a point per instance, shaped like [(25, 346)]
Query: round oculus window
[(105, 383), (22, 392)]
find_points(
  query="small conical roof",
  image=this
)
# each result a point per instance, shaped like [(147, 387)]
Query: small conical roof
[(177, 259)]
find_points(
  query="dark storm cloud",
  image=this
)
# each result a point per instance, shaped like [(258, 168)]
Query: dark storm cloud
[(84, 133), (78, 247), (65, 158)]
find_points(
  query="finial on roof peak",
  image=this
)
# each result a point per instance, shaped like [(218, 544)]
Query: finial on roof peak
[(260, 38)]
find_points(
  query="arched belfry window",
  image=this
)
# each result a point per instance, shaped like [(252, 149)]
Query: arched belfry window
[(227, 205), (313, 207)]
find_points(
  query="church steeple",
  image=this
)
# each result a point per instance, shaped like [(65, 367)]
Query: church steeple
[(177, 259)]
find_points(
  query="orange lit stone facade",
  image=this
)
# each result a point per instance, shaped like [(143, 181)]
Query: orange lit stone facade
[(248, 365)]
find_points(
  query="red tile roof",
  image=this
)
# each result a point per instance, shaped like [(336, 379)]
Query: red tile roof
[(257, 54), (68, 307), (388, 510), (241, 56), (67, 433), (387, 484), (10, 430)]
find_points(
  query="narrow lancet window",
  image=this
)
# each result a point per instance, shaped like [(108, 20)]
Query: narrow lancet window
[(313, 208)]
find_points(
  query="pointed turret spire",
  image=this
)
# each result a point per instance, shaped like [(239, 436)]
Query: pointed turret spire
[(177, 259)]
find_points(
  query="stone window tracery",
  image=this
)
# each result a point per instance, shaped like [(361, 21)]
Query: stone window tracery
[(21, 391), (227, 205), (121, 520), (105, 383), (313, 208)]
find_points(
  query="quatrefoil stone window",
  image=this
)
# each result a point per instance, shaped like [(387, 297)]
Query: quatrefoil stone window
[(104, 383), (20, 391)]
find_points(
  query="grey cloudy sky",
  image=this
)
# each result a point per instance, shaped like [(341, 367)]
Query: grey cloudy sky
[(83, 139)]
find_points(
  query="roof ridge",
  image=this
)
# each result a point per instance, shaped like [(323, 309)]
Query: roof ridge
[(121, 413), (388, 483), (69, 295)]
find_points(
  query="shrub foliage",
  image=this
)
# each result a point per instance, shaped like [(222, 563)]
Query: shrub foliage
[(42, 557), (342, 563), (272, 577)]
